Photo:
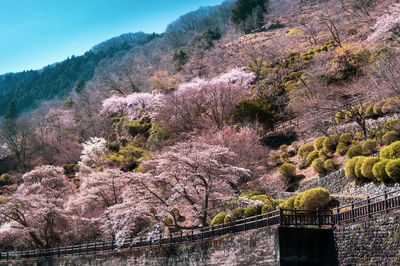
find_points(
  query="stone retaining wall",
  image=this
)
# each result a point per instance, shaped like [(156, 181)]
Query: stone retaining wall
[(375, 242)]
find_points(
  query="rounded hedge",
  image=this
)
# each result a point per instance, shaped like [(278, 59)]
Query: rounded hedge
[(252, 210), (305, 150), (234, 215), (289, 204), (330, 165), (357, 168), (392, 151), (370, 146), (350, 168), (390, 137), (284, 157), (318, 166), (367, 166), (219, 218), (312, 156), (287, 170), (393, 169), (323, 155), (319, 142), (315, 198), (283, 147), (379, 170), (358, 136), (331, 143), (354, 150), (346, 138), (342, 148)]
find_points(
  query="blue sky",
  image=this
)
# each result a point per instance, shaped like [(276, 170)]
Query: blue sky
[(35, 33)]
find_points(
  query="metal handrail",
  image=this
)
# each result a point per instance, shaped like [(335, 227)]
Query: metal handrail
[(336, 216)]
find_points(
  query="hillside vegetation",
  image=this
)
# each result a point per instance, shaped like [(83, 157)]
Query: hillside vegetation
[(177, 130)]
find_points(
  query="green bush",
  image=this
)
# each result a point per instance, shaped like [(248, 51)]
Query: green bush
[(357, 169), (137, 127), (330, 165), (342, 148), (393, 169), (289, 204), (254, 110), (252, 210), (267, 208), (392, 125), (354, 150), (390, 137), (392, 151), (219, 218), (346, 138), (331, 143), (305, 150), (319, 142), (370, 146), (234, 215), (323, 155), (318, 166), (5, 180), (284, 147), (251, 193), (358, 136), (70, 169), (284, 157), (295, 146), (350, 168), (312, 156), (379, 170), (315, 198), (367, 167), (288, 171)]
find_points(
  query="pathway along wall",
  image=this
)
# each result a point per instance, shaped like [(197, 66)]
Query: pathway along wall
[(266, 246)]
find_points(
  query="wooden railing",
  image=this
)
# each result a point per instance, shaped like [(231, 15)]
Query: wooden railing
[(363, 209)]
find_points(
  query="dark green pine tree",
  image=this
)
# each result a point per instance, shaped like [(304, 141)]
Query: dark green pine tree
[(80, 85), (11, 113), (244, 9)]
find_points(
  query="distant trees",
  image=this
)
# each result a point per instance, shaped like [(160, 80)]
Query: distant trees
[(17, 133), (248, 14)]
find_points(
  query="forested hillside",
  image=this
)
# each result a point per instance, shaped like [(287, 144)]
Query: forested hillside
[(223, 116)]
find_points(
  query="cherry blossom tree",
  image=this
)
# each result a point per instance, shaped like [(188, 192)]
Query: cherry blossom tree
[(36, 209), (192, 175), (244, 142), (91, 154), (213, 99), (136, 105)]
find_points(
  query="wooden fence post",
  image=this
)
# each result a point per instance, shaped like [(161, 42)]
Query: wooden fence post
[(352, 212), (318, 218), (295, 217), (159, 244), (280, 216)]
